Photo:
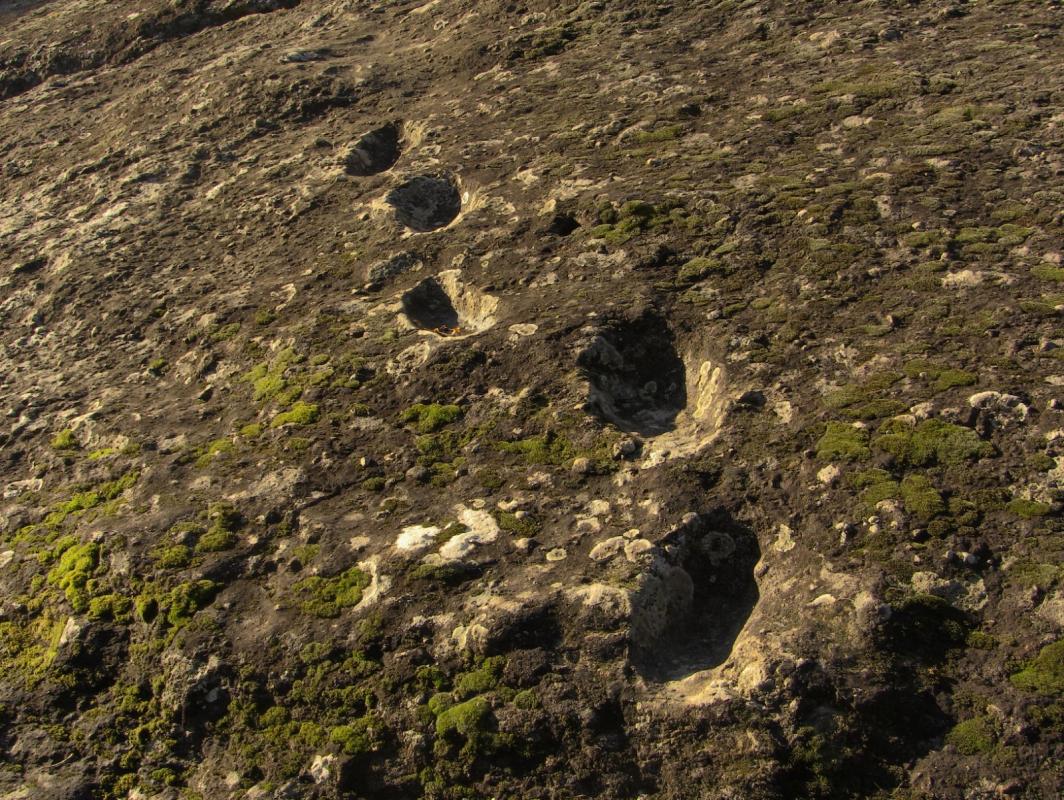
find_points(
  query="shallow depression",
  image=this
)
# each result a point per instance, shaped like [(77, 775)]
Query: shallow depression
[(636, 377), (425, 202), (375, 152), (448, 306)]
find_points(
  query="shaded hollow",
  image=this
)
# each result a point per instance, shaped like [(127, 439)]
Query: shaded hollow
[(425, 202), (448, 306), (375, 152), (636, 378), (711, 593)]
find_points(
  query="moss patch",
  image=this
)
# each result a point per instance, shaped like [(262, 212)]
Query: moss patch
[(429, 418), (327, 597), (932, 441), (1045, 673), (842, 441), (299, 414), (973, 736)]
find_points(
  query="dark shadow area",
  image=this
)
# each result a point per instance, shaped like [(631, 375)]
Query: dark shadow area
[(375, 152), (429, 307), (425, 202), (638, 381), (719, 555)]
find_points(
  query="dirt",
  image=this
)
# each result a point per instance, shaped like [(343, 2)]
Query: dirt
[(461, 400)]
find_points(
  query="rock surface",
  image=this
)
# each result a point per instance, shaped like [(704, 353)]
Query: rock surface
[(463, 400)]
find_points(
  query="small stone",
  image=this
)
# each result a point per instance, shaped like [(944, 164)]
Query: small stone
[(557, 554), (581, 466), (418, 474), (829, 475)]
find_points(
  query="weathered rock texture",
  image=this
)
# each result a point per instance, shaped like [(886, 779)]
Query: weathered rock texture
[(531, 400)]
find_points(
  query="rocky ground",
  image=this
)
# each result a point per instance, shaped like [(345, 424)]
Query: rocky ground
[(531, 400)]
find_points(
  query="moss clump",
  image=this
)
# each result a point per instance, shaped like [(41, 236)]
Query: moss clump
[(619, 225), (1028, 509), (971, 737), (878, 485), (215, 540), (469, 720), (1048, 272), (210, 451), (1045, 673), (699, 268), (526, 700), (173, 557), (111, 606), (65, 440), (483, 679), (252, 430), (72, 573), (299, 414), (550, 448), (268, 379), (448, 572), (665, 133), (374, 484), (186, 599), (858, 395), (844, 442), (356, 737), (932, 441), (326, 597), (429, 418), (944, 377), (921, 499), (518, 525)]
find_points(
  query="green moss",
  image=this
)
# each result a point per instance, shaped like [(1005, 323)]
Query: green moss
[(1048, 272), (186, 599), (842, 441), (103, 452), (268, 379), (1028, 509), (252, 430), (215, 540), (429, 418), (356, 737), (944, 377), (65, 440), (700, 268), (972, 737), (921, 499), (862, 392), (527, 700), (550, 448), (517, 525), (619, 225), (1045, 673), (110, 606), (878, 485), (327, 597), (299, 414), (157, 366), (932, 441), (72, 573), (483, 679), (146, 607), (172, 557), (210, 451), (665, 133), (469, 720), (374, 484), (948, 378)]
